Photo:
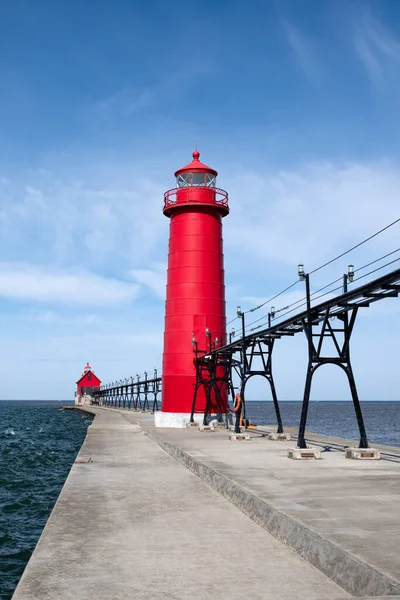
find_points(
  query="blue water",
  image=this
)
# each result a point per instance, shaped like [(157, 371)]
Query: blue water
[(39, 442), (382, 419), (38, 445)]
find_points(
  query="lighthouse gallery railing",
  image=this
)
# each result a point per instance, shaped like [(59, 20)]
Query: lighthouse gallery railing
[(186, 195)]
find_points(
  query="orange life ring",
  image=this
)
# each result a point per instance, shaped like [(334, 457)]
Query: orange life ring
[(238, 403)]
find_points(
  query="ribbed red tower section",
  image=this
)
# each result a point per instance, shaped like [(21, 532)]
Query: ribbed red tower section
[(195, 304)]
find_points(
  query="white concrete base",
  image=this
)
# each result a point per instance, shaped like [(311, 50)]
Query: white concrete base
[(239, 436), (83, 400), (217, 424), (205, 428), (176, 420), (279, 436), (363, 453), (304, 453)]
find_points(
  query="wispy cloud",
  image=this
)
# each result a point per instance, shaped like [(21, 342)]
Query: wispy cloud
[(335, 204), (51, 317), (123, 103), (44, 284), (130, 102), (155, 279), (304, 52), (378, 49), (89, 219)]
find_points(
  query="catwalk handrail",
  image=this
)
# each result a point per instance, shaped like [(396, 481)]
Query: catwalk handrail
[(124, 383), (130, 393), (362, 296)]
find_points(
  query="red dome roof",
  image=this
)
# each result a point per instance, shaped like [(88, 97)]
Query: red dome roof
[(196, 166)]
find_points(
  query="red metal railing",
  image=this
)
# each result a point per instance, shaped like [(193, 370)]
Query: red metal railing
[(220, 197)]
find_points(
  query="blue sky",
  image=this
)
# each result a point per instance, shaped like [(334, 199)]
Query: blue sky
[(294, 103)]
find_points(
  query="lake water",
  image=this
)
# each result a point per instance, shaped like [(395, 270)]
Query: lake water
[(38, 445), (382, 419)]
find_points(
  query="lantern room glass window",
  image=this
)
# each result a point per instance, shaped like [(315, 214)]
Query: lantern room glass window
[(183, 180), (198, 179), (210, 180), (195, 180)]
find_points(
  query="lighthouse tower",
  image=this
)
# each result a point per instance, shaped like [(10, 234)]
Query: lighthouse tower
[(195, 304)]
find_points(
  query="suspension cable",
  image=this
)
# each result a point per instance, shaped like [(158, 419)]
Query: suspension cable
[(378, 269), (321, 267), (269, 300), (330, 291), (301, 301), (354, 247), (378, 259)]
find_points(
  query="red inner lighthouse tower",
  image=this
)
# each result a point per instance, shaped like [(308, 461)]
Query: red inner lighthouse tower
[(195, 304)]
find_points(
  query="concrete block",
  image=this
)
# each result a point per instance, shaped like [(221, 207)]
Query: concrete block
[(304, 453), (279, 436), (205, 428), (189, 424), (232, 428), (239, 436), (363, 453)]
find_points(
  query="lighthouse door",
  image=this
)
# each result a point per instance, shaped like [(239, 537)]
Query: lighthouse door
[(199, 330)]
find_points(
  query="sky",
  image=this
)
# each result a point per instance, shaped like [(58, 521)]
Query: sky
[(294, 103)]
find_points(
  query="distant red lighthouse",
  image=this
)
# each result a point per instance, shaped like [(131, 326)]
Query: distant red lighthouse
[(195, 304), (87, 381)]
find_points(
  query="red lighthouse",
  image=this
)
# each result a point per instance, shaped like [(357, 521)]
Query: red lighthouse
[(87, 381), (195, 304)]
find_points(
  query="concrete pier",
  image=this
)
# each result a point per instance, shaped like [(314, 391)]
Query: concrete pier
[(135, 523)]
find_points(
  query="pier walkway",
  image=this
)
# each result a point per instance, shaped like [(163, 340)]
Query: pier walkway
[(132, 522), (342, 515)]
